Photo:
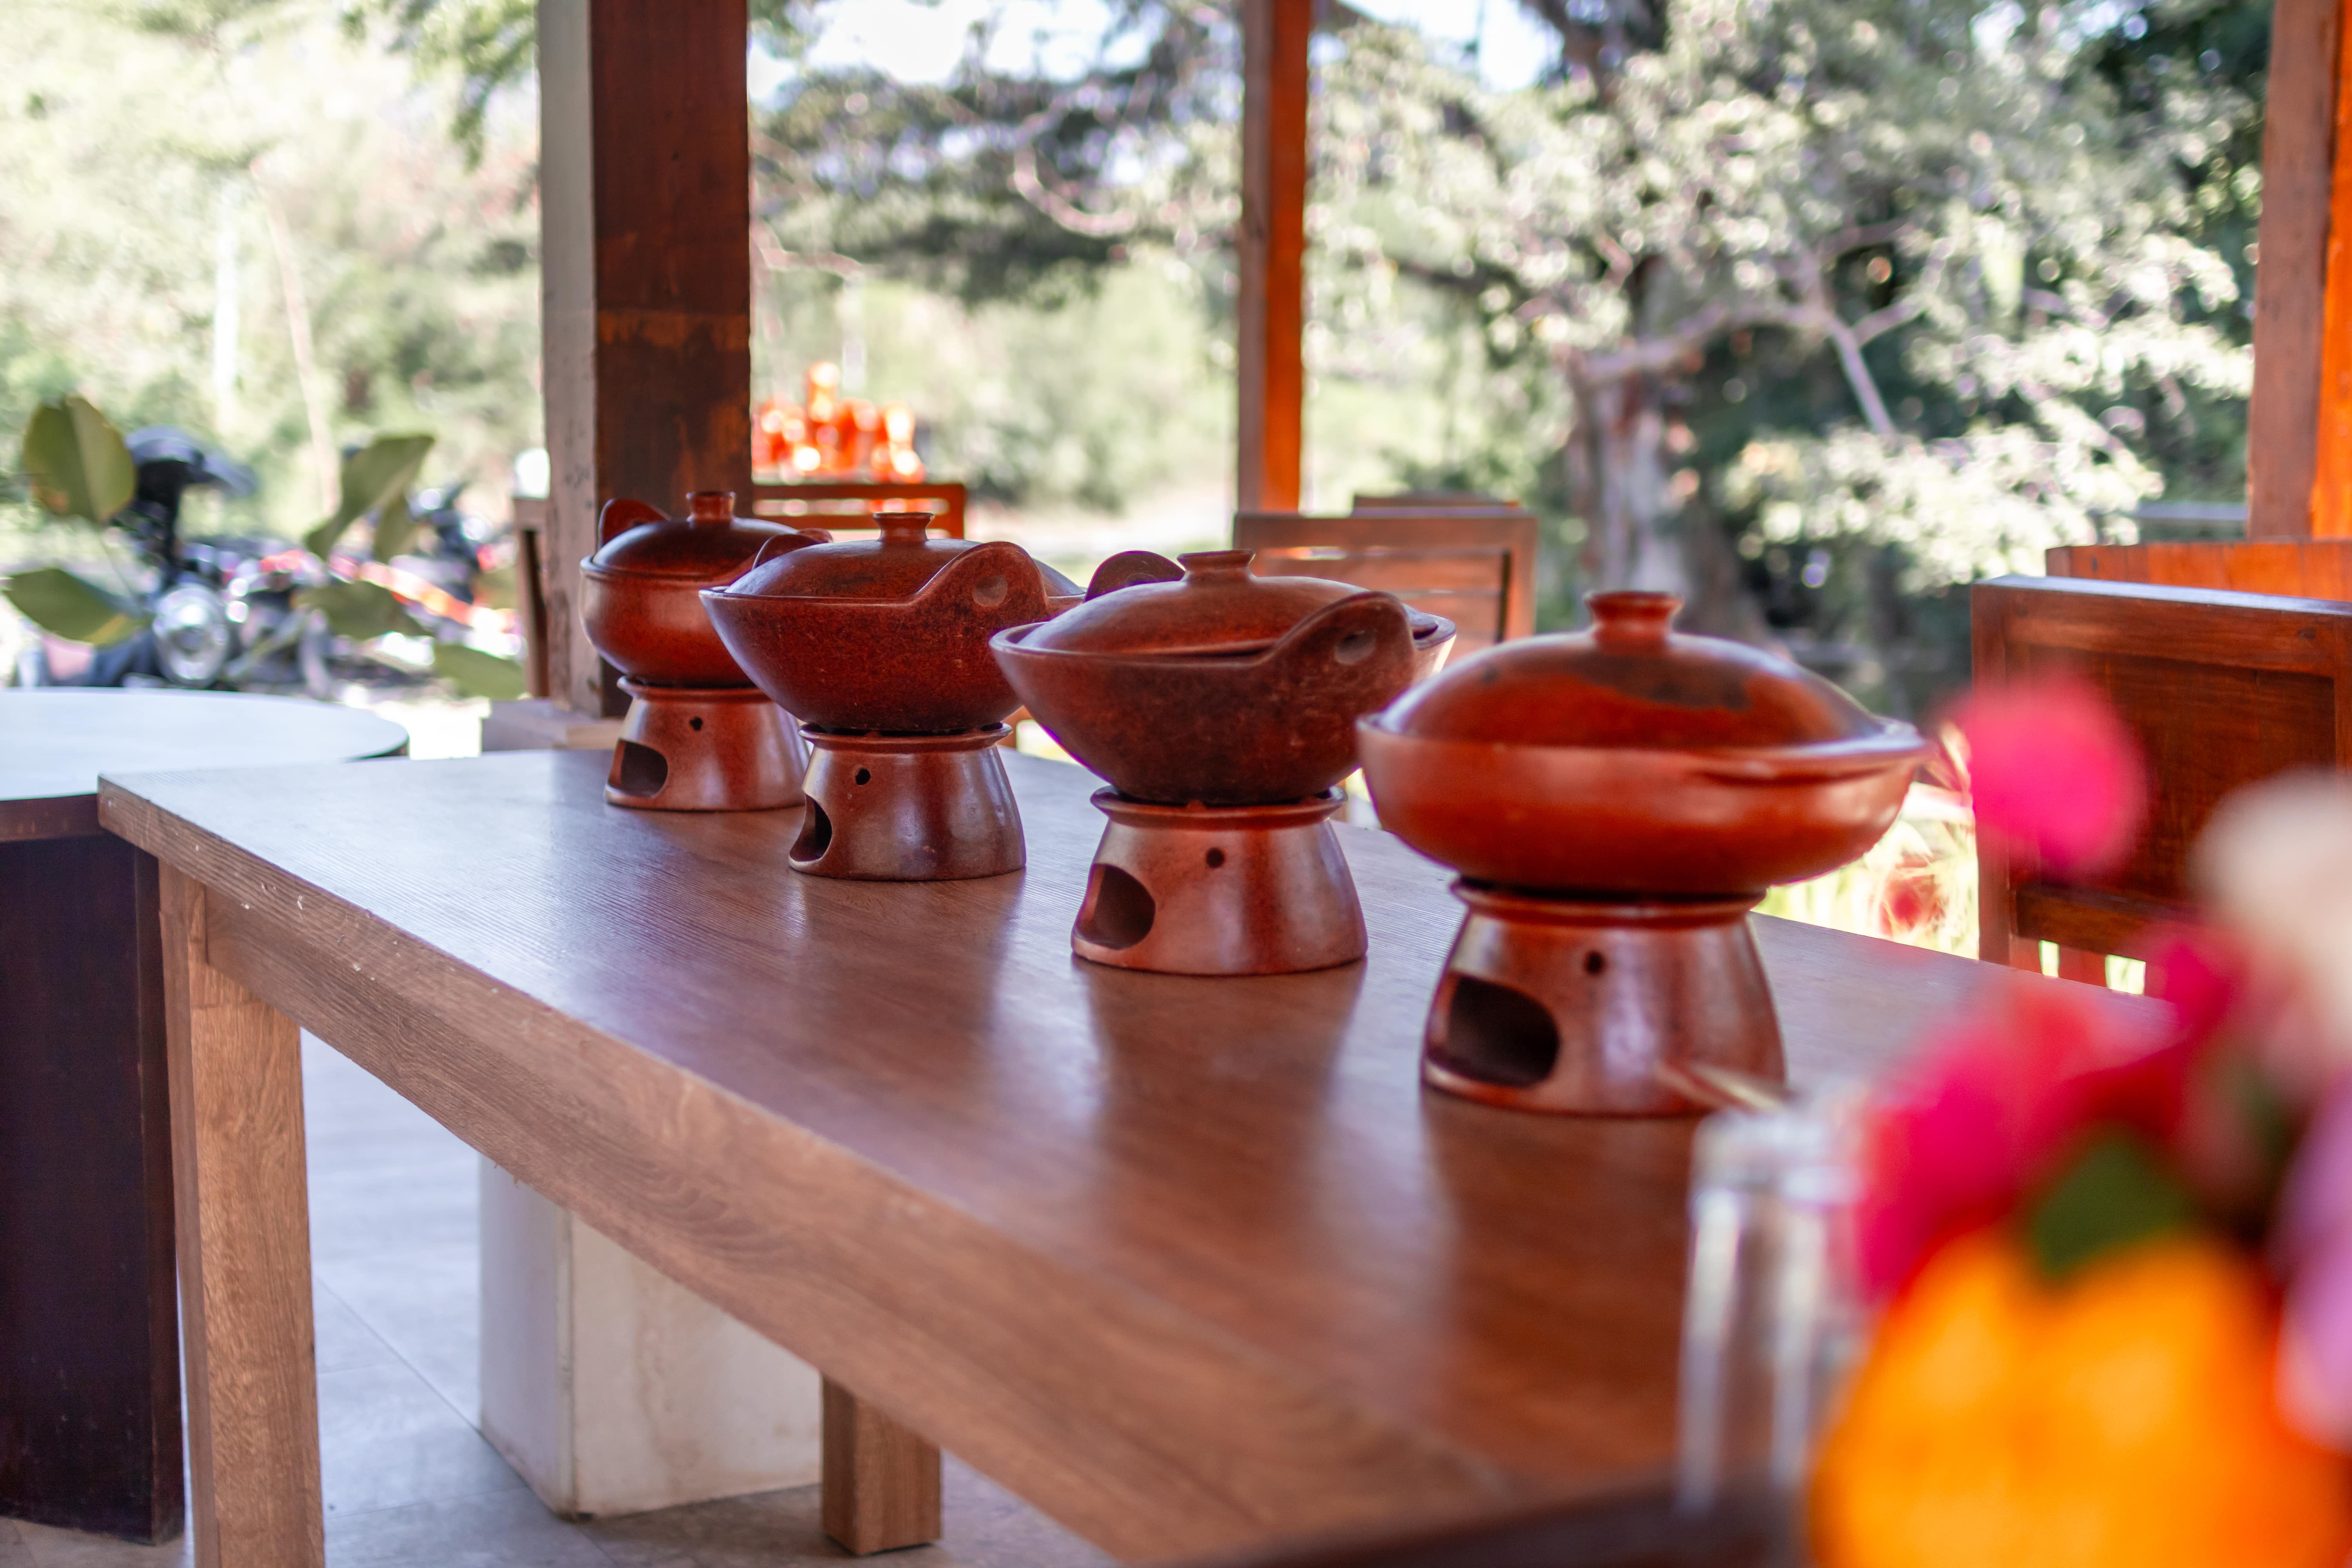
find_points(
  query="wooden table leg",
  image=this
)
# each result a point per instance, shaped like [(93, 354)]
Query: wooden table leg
[(881, 1479), (245, 1258)]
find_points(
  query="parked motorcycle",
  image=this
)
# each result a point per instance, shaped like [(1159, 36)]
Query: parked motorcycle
[(209, 600)]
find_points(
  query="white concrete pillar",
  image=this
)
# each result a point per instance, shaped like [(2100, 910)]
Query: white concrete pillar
[(613, 1390)]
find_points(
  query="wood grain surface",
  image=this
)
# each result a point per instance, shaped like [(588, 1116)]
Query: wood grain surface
[(1270, 252), (644, 188), (1188, 1263), (2291, 283), (2299, 569), (1634, 1528), (89, 1330), (245, 1257), (881, 1479)]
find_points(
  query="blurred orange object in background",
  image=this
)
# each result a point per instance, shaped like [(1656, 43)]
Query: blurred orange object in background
[(829, 437), (2125, 1418)]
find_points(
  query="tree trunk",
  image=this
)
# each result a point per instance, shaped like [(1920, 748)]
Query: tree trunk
[(1617, 484)]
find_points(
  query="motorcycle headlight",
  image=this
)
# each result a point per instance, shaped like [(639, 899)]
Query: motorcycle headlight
[(192, 637)]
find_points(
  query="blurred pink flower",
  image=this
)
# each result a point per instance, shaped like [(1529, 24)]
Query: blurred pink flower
[(2312, 1245), (1989, 1107), (2052, 770), (2274, 866)]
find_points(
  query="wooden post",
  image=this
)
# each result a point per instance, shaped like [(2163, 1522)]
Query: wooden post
[(881, 1479), (1271, 251), (645, 213), (235, 1070), (2291, 297)]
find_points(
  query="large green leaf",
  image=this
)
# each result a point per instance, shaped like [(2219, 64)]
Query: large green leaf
[(396, 525), (2116, 1191), (375, 477), (65, 606), (495, 589), (479, 674), (77, 461), (359, 610)]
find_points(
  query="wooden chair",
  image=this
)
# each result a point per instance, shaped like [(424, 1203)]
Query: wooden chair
[(2222, 688), (2301, 569), (1433, 500), (1476, 567), (854, 502)]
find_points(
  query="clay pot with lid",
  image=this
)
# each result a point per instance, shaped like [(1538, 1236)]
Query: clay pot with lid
[(881, 646), (1616, 802), (640, 593), (1224, 688), (890, 634), (1222, 709), (699, 736)]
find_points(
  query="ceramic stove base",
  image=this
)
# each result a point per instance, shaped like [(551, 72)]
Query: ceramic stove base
[(1595, 1008), (1246, 889), (692, 748), (909, 808)]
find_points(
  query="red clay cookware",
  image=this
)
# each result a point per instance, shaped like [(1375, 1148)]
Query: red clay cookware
[(1616, 802), (880, 645), (1222, 709), (699, 736), (1224, 688)]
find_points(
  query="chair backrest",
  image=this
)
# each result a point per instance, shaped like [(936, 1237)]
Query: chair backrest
[(1433, 500), (1476, 568), (852, 503), (2301, 569), (2222, 688)]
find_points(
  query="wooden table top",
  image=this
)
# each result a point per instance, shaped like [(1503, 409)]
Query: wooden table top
[(1187, 1262), (55, 741)]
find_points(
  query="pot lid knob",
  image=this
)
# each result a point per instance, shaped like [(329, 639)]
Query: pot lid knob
[(1216, 565), (710, 509), (1630, 620), (903, 527)]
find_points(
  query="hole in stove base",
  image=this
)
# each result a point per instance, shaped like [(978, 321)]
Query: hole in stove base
[(1118, 911), (1497, 1034), (694, 723), (637, 769), (816, 835)]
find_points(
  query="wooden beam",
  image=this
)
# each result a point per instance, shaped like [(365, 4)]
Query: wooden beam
[(2291, 292), (881, 1479), (1271, 251), (235, 1070), (645, 213)]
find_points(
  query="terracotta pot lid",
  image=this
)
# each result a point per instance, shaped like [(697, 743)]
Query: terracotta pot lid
[(1218, 606), (1630, 683), (709, 542), (895, 566)]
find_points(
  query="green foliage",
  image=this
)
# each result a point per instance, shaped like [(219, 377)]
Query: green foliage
[(77, 461), (359, 610), (2116, 1191), (376, 478), (492, 45), (72, 608), (478, 674), (141, 166)]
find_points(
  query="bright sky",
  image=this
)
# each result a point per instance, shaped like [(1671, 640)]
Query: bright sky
[(920, 42)]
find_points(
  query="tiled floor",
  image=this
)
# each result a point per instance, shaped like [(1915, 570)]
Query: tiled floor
[(408, 1480)]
